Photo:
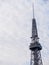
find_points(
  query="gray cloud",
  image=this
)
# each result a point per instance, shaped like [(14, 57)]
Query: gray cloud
[(15, 30)]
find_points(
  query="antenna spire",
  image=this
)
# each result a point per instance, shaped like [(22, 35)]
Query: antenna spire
[(33, 10)]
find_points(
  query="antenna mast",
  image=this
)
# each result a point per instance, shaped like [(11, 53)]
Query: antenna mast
[(33, 10)]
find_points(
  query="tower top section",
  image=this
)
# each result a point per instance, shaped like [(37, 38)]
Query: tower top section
[(35, 45), (34, 27)]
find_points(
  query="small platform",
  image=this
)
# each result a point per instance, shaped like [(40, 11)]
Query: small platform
[(34, 46)]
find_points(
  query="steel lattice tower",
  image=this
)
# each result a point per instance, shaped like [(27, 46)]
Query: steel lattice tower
[(35, 46)]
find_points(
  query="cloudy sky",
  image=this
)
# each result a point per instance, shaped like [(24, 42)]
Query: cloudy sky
[(15, 30)]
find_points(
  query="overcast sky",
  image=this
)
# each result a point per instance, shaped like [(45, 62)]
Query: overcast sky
[(15, 30)]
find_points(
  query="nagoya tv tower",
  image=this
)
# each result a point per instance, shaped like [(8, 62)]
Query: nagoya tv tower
[(35, 46)]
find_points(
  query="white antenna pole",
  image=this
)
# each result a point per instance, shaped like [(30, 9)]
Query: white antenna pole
[(33, 10)]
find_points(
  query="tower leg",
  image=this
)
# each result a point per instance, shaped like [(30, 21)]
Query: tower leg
[(36, 58)]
